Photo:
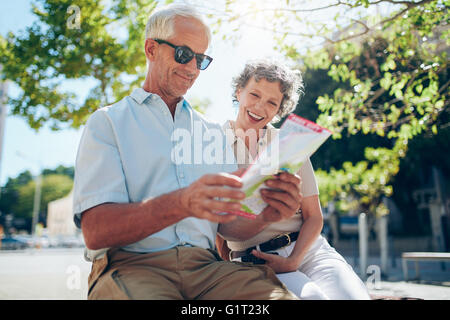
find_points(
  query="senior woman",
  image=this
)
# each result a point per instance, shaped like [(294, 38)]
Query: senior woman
[(266, 91)]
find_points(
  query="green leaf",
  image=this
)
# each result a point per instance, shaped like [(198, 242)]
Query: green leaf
[(386, 81), (419, 88), (434, 129)]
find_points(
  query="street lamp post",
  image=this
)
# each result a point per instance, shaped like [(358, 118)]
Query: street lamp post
[(37, 194), (3, 96), (36, 203)]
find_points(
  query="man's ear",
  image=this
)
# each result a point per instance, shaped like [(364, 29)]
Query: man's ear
[(150, 49)]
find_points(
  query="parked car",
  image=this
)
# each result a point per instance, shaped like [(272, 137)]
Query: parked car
[(72, 242), (12, 243), (28, 239)]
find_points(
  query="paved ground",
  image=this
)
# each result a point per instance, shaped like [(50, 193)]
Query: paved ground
[(43, 274), (62, 274), (433, 282)]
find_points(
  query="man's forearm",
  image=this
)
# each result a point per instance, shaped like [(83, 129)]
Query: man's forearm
[(120, 224)]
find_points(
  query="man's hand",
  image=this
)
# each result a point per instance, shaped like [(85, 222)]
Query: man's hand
[(200, 198), (285, 200)]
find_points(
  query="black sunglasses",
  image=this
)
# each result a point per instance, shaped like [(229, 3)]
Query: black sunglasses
[(184, 54)]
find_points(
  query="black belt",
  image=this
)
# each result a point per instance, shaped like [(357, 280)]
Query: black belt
[(273, 244)]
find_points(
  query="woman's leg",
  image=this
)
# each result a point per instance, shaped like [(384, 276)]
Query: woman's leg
[(299, 284), (329, 270), (302, 286)]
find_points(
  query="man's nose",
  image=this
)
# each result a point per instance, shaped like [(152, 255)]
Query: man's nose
[(191, 66)]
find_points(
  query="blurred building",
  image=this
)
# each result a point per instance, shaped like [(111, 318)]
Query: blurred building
[(60, 217)]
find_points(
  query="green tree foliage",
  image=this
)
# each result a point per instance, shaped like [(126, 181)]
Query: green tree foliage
[(389, 64), (398, 88), (17, 195), (424, 151), (200, 105), (54, 186), (60, 170), (75, 40), (9, 195)]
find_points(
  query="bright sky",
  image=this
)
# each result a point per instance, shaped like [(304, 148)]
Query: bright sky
[(24, 149)]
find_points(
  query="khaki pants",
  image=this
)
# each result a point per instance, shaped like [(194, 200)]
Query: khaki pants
[(181, 273)]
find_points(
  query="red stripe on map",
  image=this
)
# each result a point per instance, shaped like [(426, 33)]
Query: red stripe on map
[(243, 214), (307, 123)]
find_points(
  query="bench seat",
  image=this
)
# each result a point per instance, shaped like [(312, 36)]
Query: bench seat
[(422, 256)]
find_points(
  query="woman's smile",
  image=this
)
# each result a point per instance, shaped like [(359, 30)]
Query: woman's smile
[(254, 117)]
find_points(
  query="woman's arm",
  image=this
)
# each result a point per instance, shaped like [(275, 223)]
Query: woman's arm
[(309, 231)]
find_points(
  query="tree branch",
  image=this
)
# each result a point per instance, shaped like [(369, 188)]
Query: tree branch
[(367, 29), (376, 95), (444, 86), (409, 6), (339, 3)]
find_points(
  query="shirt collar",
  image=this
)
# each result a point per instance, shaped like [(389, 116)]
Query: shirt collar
[(140, 95)]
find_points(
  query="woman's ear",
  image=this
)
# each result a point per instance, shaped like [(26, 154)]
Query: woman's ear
[(150, 49), (238, 95)]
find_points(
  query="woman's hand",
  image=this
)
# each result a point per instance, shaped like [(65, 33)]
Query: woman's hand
[(278, 263)]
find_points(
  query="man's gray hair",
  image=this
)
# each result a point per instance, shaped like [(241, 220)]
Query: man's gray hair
[(291, 82), (160, 25)]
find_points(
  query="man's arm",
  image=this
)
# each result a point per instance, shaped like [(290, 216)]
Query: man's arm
[(119, 224), (282, 204)]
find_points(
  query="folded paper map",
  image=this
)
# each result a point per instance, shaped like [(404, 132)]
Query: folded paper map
[(297, 140)]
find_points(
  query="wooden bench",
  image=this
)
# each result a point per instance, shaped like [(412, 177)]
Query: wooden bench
[(422, 256)]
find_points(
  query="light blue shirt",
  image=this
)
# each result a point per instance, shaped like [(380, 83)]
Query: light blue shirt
[(134, 150)]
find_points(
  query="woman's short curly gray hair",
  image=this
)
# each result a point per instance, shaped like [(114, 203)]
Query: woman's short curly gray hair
[(291, 82)]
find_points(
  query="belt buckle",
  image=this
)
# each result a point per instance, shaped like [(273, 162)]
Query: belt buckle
[(248, 250), (284, 235)]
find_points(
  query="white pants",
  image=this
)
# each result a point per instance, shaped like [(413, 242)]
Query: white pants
[(323, 274)]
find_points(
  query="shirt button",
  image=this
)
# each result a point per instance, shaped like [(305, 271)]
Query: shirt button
[(181, 175)]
